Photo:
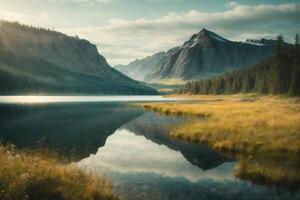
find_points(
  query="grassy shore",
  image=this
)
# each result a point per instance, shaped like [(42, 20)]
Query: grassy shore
[(40, 176), (262, 132), (238, 123), (279, 169)]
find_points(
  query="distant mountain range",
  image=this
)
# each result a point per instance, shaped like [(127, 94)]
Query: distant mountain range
[(203, 55), (40, 61)]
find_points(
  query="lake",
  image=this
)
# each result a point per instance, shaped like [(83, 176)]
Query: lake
[(110, 136)]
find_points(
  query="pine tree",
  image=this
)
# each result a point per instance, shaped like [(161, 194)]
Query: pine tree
[(295, 80), (297, 40), (277, 77), (294, 88)]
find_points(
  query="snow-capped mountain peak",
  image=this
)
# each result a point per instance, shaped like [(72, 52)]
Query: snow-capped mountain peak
[(204, 36)]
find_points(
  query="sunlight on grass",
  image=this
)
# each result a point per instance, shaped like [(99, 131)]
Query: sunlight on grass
[(39, 176), (279, 170), (263, 133), (235, 124)]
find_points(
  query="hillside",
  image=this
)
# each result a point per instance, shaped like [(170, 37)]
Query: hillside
[(40, 61), (279, 74), (205, 54)]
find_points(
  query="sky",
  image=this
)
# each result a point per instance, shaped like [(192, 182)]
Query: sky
[(125, 30)]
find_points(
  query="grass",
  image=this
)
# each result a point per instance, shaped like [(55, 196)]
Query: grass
[(279, 170), (239, 123), (262, 132), (40, 176)]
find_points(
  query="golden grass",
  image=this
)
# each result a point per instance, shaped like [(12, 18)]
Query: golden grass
[(281, 170), (38, 176), (239, 123)]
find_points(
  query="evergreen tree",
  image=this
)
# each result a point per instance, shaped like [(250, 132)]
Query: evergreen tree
[(294, 88), (277, 75), (297, 40)]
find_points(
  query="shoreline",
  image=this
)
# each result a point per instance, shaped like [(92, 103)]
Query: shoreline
[(261, 132), (237, 123)]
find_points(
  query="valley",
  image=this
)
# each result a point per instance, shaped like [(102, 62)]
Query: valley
[(149, 100)]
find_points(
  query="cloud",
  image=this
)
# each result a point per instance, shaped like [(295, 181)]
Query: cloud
[(104, 1), (84, 1), (24, 18), (232, 4), (122, 41)]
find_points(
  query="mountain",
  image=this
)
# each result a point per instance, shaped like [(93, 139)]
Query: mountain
[(203, 55), (279, 74), (40, 61)]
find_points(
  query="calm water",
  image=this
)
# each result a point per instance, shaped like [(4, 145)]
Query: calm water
[(129, 145)]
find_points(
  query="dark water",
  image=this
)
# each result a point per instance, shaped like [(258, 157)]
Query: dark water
[(132, 147)]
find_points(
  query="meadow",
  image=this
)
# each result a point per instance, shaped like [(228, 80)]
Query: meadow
[(238, 123), (35, 176), (261, 132)]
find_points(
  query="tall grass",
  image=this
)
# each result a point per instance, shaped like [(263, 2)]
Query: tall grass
[(232, 124), (39, 176), (262, 132), (279, 170)]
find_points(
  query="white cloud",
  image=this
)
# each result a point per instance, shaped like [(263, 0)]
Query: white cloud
[(84, 1), (24, 18), (123, 40), (104, 1), (232, 4)]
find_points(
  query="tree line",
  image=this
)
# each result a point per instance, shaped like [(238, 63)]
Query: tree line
[(17, 26), (279, 74)]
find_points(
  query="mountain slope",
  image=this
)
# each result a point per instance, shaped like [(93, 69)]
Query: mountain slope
[(279, 74), (205, 54), (34, 60)]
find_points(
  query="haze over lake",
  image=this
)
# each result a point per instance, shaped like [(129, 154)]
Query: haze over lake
[(64, 99)]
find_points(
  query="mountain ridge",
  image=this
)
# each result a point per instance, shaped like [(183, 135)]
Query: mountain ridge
[(205, 54), (36, 60)]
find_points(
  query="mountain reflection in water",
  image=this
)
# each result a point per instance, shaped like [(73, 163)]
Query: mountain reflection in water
[(74, 129), (145, 163), (133, 147)]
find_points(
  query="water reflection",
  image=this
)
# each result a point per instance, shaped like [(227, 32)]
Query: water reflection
[(124, 152), (74, 130), (133, 148), (145, 163), (156, 128)]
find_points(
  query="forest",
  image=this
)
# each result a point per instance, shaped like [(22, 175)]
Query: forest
[(279, 74)]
